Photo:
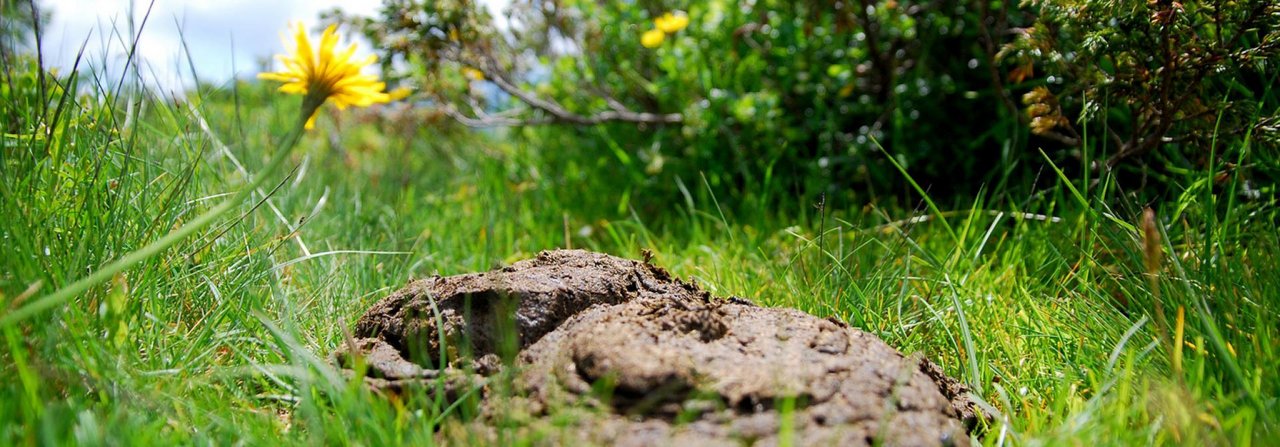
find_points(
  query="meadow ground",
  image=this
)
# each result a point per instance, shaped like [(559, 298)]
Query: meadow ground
[(1075, 321)]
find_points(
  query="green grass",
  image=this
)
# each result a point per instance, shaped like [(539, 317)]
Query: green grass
[(224, 338)]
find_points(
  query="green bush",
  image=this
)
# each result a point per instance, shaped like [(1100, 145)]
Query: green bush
[(1169, 85), (775, 97), (769, 98)]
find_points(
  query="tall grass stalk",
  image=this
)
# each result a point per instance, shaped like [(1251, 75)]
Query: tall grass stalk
[(202, 221)]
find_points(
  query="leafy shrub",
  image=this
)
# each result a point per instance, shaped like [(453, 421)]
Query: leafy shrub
[(777, 98), (1150, 75), (766, 97)]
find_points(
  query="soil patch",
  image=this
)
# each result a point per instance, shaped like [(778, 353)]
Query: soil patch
[(657, 360)]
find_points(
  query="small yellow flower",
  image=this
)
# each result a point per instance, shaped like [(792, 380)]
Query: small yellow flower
[(473, 74), (652, 38), (670, 23), (399, 93), (846, 91), (326, 74)]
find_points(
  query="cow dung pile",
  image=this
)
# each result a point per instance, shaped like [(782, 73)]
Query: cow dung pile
[(655, 360)]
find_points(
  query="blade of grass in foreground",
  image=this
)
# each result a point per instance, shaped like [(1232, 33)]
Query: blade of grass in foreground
[(159, 245)]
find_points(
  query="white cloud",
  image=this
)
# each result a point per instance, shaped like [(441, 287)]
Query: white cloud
[(210, 28)]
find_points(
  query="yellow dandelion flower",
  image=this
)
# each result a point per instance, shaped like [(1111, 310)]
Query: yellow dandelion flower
[(652, 38), (670, 23), (325, 74)]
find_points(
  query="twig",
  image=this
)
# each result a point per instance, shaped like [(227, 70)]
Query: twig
[(619, 113)]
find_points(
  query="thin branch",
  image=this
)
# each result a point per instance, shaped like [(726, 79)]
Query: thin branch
[(486, 120), (560, 114)]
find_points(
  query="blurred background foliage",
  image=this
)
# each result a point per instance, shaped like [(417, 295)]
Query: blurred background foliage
[(18, 22), (757, 100)]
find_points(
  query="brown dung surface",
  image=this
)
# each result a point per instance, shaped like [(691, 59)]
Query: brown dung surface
[(676, 365)]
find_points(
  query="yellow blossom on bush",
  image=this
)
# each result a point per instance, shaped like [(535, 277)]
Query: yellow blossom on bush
[(845, 91), (325, 74), (652, 38), (670, 23), (473, 74), (399, 93)]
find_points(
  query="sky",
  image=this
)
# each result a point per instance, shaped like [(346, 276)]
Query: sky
[(226, 38)]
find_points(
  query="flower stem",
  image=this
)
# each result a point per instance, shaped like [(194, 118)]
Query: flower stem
[(67, 292)]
